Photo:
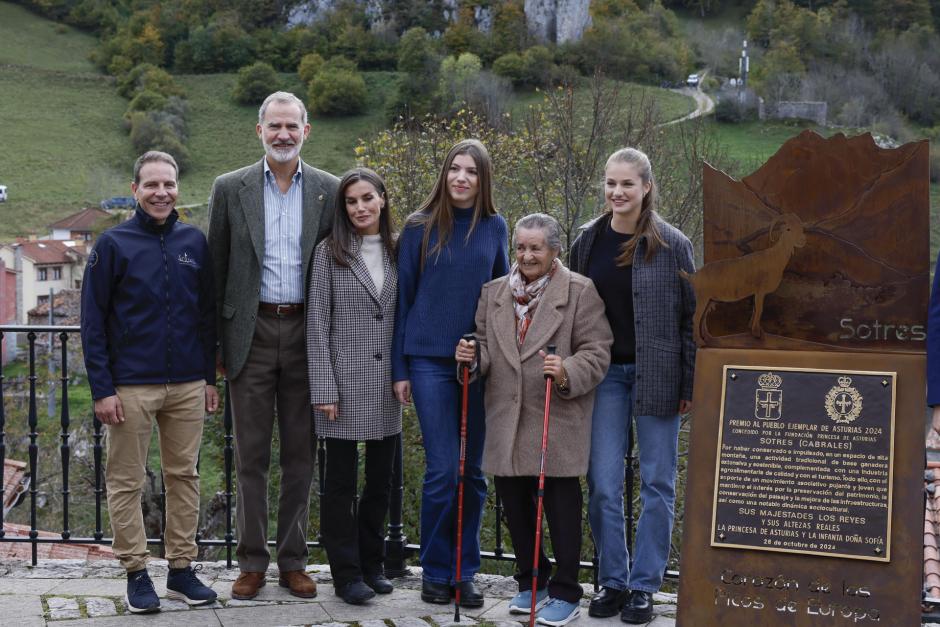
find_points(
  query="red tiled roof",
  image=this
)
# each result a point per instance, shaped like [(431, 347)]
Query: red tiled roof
[(14, 472), (84, 220), (46, 551), (48, 251)]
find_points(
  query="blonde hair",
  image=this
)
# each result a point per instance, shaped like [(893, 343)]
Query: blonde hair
[(646, 225)]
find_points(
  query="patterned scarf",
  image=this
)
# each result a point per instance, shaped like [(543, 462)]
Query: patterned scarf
[(526, 297)]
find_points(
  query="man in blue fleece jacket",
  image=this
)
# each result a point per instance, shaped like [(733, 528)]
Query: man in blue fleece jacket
[(148, 334)]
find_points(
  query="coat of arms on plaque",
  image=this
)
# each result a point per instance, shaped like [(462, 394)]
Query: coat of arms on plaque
[(768, 401), (843, 402)]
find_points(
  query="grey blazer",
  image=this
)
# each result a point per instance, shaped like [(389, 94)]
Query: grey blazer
[(349, 342), (236, 245), (663, 305)]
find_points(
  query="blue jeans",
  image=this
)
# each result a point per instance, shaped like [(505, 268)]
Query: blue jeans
[(658, 443), (436, 394)]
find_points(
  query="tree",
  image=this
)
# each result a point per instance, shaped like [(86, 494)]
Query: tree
[(254, 83), (418, 61), (309, 66)]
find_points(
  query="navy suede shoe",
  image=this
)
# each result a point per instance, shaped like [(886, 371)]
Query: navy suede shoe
[(182, 584), (141, 598)]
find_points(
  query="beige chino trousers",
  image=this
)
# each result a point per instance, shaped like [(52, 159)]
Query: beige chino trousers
[(179, 410)]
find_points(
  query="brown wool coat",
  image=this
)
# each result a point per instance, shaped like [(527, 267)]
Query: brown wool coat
[(571, 316)]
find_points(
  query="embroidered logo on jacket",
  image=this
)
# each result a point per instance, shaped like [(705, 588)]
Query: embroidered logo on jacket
[(186, 260)]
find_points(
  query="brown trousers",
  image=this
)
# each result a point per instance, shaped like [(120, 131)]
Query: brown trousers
[(273, 382), (179, 410)]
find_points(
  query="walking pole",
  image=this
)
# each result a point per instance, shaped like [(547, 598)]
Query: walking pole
[(550, 349), (465, 376)]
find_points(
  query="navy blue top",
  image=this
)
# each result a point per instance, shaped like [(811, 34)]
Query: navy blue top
[(148, 306), (615, 285), (437, 306)]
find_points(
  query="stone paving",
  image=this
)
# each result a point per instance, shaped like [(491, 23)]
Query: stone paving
[(76, 593)]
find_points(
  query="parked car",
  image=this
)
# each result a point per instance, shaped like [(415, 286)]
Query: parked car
[(118, 202), (3, 193), (693, 80)]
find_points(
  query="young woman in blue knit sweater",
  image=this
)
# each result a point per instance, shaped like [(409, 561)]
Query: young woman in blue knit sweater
[(448, 249)]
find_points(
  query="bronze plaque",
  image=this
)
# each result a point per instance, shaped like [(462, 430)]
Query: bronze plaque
[(856, 275), (803, 587), (804, 462)]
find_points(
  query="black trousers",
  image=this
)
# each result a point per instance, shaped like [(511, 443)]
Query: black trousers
[(355, 538), (562, 509)]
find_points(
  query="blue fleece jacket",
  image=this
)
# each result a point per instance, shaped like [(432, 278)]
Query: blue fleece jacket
[(148, 306), (436, 306)]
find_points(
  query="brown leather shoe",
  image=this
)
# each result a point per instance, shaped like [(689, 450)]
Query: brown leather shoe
[(299, 582), (247, 585)]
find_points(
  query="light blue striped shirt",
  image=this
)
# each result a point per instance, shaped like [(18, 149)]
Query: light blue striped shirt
[(282, 268)]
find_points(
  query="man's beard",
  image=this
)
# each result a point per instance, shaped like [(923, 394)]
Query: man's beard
[(283, 155)]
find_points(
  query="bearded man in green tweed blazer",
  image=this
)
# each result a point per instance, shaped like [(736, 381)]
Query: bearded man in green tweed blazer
[(264, 221)]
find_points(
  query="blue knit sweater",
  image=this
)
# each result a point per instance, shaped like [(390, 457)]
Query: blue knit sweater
[(436, 306)]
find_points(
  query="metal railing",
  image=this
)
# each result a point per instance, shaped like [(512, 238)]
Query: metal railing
[(398, 549)]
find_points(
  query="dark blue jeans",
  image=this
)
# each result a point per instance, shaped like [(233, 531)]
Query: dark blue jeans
[(436, 394)]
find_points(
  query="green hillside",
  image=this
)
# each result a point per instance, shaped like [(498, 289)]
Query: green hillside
[(26, 39)]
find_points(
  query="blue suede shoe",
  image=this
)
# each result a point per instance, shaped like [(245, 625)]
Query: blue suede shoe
[(522, 602), (182, 584), (141, 598), (557, 612)]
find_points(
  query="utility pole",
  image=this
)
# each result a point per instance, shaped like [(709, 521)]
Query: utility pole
[(744, 66)]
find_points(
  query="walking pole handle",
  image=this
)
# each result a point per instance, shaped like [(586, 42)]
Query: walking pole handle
[(550, 349), (470, 337)]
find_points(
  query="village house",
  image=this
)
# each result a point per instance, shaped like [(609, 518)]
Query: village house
[(41, 266)]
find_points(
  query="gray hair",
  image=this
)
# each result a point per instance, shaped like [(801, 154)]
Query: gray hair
[(152, 156), (284, 97), (545, 223)]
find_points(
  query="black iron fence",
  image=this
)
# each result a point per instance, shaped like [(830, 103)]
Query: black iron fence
[(398, 549)]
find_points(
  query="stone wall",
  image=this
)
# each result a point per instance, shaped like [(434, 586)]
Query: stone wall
[(813, 111)]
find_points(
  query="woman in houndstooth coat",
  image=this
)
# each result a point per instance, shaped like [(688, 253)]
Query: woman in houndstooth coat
[(350, 323)]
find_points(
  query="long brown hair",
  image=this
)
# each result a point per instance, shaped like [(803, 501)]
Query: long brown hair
[(343, 230), (646, 225), (437, 211)]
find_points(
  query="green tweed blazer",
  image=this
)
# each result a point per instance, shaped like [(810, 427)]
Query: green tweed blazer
[(236, 246)]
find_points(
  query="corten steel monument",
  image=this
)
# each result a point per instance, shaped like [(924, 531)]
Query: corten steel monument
[(804, 497)]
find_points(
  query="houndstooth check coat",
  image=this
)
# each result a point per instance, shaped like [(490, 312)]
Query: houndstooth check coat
[(349, 341)]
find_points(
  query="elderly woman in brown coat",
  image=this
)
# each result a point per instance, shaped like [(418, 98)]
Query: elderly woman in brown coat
[(540, 303)]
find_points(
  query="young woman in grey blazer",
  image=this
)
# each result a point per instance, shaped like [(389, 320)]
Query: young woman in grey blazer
[(633, 256), (350, 323)]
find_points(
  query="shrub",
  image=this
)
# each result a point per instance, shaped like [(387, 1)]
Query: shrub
[(310, 64), (254, 82), (511, 66), (731, 107), (147, 100), (147, 76), (538, 65), (150, 130), (337, 91)]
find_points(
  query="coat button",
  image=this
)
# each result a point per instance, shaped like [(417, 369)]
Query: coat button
[(379, 316), (378, 356)]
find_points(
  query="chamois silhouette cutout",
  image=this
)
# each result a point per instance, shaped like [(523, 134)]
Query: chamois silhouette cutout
[(755, 274)]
